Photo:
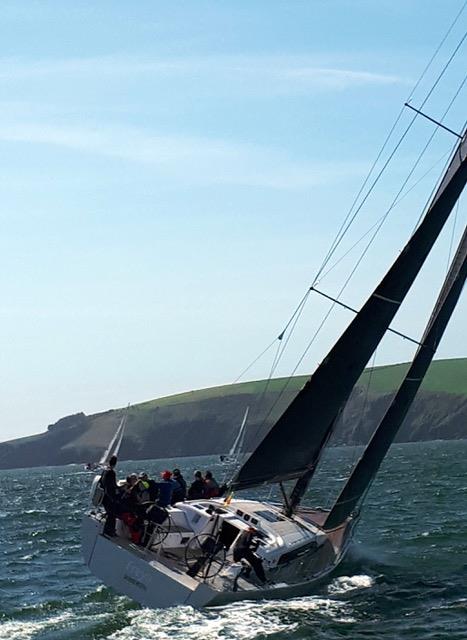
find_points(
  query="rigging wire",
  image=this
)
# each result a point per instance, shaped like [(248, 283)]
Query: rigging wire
[(255, 361), (368, 245), (404, 195), (393, 152), (293, 320), (345, 224), (451, 243), (464, 127), (398, 195), (278, 338)]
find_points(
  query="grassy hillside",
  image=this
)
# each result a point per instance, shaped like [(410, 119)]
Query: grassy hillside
[(206, 421), (444, 376)]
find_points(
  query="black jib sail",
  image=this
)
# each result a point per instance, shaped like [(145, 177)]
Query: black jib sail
[(293, 445), (370, 461)]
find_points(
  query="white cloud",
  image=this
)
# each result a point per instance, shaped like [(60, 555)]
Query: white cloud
[(194, 160), (264, 73)]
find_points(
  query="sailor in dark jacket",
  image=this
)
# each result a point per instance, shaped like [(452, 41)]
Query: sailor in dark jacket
[(196, 490), (245, 547), (179, 493), (109, 484)]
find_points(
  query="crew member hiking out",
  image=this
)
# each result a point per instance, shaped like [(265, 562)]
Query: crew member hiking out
[(108, 482)]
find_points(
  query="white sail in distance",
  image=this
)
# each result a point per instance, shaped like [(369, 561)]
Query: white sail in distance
[(237, 445), (114, 445)]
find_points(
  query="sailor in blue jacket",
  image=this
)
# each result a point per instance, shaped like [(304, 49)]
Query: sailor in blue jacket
[(165, 489)]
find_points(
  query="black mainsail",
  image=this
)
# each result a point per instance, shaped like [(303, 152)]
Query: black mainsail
[(293, 446), (372, 457)]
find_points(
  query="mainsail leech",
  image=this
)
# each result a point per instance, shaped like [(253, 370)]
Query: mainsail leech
[(371, 459), (293, 445)]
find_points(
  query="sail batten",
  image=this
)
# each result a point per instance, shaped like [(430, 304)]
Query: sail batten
[(293, 445), (373, 455)]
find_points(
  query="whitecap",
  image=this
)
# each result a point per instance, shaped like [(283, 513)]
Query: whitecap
[(22, 630), (337, 610), (241, 621), (343, 584)]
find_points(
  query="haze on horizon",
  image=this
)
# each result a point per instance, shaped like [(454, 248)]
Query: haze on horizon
[(173, 176)]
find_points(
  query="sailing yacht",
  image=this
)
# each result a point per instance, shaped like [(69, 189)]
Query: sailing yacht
[(189, 554), (112, 448), (232, 457)]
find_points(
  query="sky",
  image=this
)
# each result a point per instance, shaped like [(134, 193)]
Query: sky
[(174, 173)]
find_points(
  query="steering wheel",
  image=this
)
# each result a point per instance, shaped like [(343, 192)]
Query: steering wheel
[(204, 556)]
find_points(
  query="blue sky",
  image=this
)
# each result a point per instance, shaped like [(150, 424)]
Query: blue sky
[(174, 173)]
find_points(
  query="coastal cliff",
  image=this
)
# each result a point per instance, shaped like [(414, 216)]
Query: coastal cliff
[(206, 421)]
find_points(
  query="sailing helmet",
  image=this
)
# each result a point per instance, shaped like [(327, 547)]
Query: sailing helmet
[(166, 475)]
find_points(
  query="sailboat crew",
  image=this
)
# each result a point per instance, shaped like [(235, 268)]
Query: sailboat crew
[(196, 490), (245, 547), (211, 488), (108, 482), (165, 489), (179, 493)]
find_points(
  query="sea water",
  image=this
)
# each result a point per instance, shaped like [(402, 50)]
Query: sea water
[(405, 576)]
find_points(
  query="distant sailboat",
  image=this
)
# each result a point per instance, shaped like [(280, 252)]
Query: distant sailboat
[(112, 448), (192, 555), (115, 443), (232, 457)]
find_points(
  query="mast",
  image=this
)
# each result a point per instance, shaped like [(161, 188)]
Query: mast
[(371, 459), (293, 446)]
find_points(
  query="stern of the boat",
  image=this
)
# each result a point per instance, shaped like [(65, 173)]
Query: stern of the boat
[(129, 571)]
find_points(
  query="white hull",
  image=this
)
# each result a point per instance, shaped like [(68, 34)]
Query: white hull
[(157, 578)]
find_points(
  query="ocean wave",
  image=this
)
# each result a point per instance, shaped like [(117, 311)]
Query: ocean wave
[(243, 621), (344, 584), (27, 630)]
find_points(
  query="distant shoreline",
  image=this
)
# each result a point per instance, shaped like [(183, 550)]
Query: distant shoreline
[(205, 422)]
